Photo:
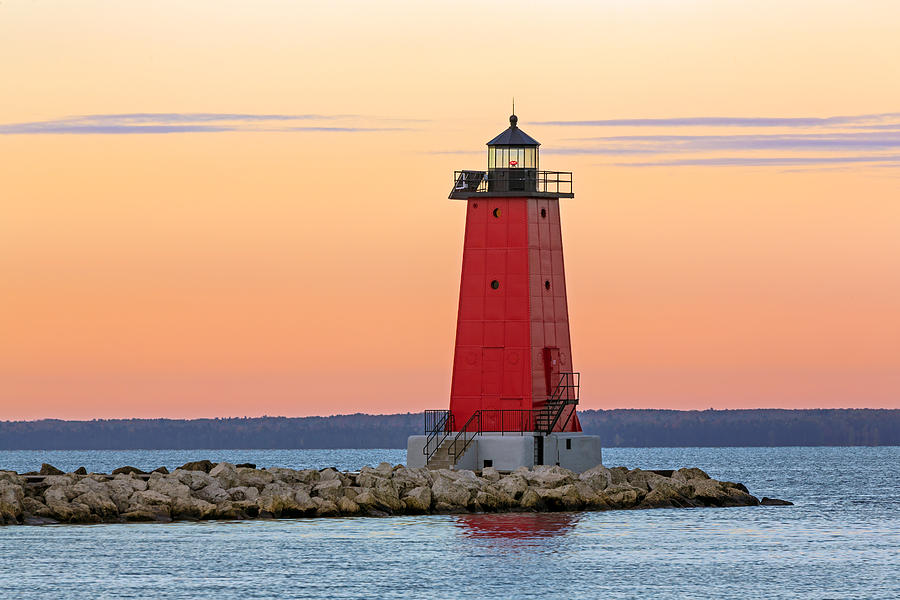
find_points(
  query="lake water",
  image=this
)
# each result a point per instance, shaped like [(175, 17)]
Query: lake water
[(840, 540)]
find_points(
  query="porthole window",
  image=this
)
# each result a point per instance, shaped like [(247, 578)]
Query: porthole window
[(497, 213), (543, 213), (547, 285), (475, 205), (495, 284)]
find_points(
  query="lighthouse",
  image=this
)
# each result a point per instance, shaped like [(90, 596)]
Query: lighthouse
[(514, 390)]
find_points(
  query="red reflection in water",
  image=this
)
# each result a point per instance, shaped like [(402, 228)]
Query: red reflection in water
[(517, 525)]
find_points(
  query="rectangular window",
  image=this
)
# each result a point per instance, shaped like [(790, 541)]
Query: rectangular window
[(488, 463), (568, 443)]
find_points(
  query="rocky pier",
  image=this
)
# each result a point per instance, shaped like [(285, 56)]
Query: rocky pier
[(205, 490)]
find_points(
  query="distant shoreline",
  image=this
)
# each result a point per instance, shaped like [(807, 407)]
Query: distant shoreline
[(619, 428)]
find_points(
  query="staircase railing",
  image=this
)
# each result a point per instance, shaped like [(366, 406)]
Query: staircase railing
[(438, 426), (465, 436), (564, 395)]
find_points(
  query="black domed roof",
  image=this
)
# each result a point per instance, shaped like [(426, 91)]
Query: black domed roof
[(513, 136)]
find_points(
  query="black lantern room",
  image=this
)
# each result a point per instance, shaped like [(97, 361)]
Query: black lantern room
[(513, 160), (513, 168)]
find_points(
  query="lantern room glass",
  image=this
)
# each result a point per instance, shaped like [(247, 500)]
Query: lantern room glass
[(512, 157)]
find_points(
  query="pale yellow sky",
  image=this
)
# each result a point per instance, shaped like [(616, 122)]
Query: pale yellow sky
[(239, 208)]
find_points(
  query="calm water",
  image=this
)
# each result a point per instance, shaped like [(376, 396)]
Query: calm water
[(841, 540)]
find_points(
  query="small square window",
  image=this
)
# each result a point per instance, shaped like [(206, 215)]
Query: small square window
[(488, 463), (568, 443)]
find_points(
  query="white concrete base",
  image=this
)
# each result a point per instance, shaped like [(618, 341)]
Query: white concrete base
[(574, 451)]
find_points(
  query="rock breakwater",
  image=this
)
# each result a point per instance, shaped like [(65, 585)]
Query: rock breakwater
[(205, 490)]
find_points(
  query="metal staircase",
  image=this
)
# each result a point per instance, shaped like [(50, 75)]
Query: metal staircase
[(443, 449)]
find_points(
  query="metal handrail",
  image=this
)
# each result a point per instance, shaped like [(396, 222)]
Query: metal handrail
[(438, 426), (455, 451), (558, 182), (565, 394)]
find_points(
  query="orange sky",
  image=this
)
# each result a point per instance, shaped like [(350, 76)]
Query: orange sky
[(239, 208)]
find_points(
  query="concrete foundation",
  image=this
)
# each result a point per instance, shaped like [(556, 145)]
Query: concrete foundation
[(574, 451)]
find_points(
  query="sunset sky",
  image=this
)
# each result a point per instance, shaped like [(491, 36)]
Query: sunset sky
[(240, 208)]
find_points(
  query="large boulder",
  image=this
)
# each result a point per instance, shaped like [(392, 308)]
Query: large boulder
[(120, 491), (226, 474), (47, 469), (100, 504), (618, 475), (621, 496), (278, 499), (347, 506), (686, 474), (325, 508), (243, 493), (375, 501), (198, 465), (405, 479), (418, 500), (491, 474), (126, 470), (169, 486), (447, 491), (12, 498), (254, 478), (192, 508), (492, 500), (598, 478), (330, 489), (195, 480), (530, 500), (57, 500), (214, 494), (291, 476), (561, 498), (549, 476), (513, 485), (766, 501)]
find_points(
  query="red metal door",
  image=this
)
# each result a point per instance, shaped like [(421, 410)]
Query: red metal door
[(491, 377), (551, 368)]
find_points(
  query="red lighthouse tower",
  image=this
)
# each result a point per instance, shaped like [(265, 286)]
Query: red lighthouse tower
[(512, 365)]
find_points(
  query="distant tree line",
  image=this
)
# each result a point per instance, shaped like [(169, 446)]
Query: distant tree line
[(618, 428)]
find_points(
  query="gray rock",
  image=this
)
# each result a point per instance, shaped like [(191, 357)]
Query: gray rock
[(686, 474), (329, 489), (418, 500), (512, 485), (249, 494), (127, 470), (214, 494), (99, 504), (766, 501), (50, 470), (491, 474), (446, 491), (254, 478), (169, 486), (347, 506), (12, 498), (198, 465), (226, 474)]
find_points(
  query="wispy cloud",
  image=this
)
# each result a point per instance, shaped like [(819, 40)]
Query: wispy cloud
[(765, 161), (809, 141), (869, 140), (874, 119), (165, 123)]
